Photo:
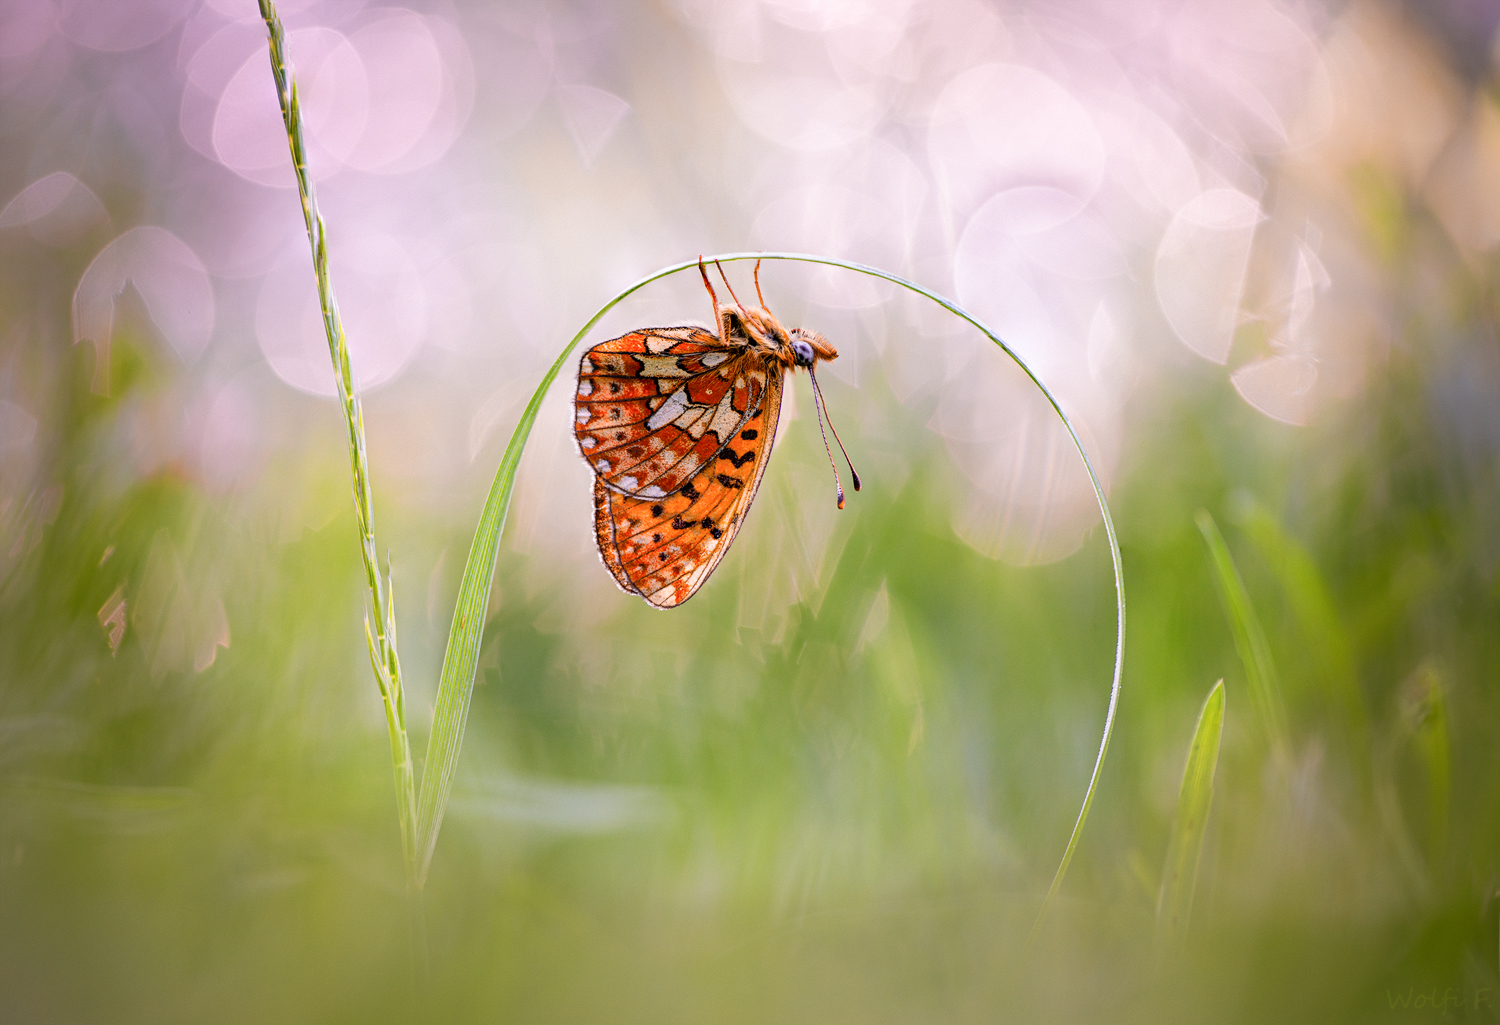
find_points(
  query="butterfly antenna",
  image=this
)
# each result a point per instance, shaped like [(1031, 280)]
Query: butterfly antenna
[(823, 404), (757, 286), (838, 484), (727, 284), (709, 285)]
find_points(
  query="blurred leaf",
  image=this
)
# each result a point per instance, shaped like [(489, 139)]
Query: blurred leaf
[(1425, 720), (563, 807), (1323, 631), (22, 736), (1180, 874), (113, 808), (1249, 636)]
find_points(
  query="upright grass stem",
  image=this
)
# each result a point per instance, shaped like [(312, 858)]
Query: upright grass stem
[(380, 619)]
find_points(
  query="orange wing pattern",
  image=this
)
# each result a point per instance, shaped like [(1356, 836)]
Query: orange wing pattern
[(656, 406), (676, 426)]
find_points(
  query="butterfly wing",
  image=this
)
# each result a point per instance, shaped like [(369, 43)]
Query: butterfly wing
[(663, 549), (656, 406)]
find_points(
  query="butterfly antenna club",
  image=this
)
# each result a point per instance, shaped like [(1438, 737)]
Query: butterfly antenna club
[(818, 395), (818, 404)]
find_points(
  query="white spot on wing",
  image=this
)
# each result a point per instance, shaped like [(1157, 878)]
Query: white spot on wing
[(585, 389), (603, 465), (586, 366), (589, 442), (726, 418), (583, 416), (668, 411), (713, 359), (652, 492), (628, 483)]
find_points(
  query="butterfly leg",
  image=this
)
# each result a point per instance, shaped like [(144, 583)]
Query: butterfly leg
[(709, 285), (758, 296), (728, 285)]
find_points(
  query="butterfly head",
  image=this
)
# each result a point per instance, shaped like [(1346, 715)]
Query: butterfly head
[(807, 347), (794, 347)]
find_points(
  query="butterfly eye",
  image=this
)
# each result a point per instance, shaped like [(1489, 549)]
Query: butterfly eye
[(804, 353)]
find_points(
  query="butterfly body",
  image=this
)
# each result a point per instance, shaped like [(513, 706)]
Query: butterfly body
[(677, 424)]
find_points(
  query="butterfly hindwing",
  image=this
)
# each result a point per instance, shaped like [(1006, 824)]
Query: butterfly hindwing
[(657, 406), (663, 549)]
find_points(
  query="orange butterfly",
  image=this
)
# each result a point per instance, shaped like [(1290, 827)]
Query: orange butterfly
[(676, 424)]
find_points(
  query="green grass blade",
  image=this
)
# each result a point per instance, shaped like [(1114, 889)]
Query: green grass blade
[(1185, 846), (456, 687), (1249, 636)]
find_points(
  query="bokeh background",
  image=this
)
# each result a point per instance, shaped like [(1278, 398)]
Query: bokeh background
[(1252, 248)]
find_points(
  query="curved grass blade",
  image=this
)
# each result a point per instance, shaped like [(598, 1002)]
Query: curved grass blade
[(456, 687), (1179, 876), (1249, 636)]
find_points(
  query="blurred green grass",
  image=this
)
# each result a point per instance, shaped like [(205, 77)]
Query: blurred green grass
[(849, 813)]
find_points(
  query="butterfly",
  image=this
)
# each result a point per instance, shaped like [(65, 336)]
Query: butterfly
[(677, 424)]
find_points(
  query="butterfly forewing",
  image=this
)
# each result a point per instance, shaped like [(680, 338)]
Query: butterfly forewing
[(655, 407), (663, 549)]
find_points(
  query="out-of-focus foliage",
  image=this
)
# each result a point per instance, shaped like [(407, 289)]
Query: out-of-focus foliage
[(1253, 248)]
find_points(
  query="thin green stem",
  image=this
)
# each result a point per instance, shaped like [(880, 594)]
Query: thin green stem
[(381, 636)]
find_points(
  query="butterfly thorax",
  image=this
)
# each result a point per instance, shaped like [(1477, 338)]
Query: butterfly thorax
[(759, 330)]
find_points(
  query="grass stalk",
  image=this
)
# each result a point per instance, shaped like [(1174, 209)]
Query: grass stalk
[(1179, 876), (380, 617)]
